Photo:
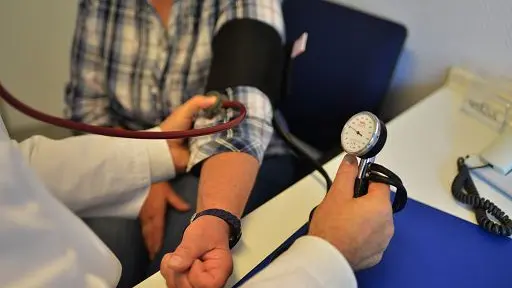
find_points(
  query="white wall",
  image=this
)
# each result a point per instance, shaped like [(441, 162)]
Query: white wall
[(442, 33), (35, 38), (475, 34)]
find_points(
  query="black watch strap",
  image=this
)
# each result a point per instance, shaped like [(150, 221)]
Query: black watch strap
[(235, 226)]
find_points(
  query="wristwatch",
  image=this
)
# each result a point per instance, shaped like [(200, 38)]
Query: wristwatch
[(235, 226)]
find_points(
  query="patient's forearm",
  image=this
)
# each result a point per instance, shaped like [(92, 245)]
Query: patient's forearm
[(226, 182)]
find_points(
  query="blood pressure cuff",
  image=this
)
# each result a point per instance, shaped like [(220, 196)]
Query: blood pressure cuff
[(248, 52)]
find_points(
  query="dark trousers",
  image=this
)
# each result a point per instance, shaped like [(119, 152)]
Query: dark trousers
[(124, 236)]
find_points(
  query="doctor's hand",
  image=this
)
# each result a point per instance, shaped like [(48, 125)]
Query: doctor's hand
[(360, 228), (203, 259), (182, 119)]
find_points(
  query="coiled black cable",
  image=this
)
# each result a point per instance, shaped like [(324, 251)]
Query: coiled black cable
[(465, 191)]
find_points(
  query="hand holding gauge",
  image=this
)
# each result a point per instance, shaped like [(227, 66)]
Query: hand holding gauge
[(364, 136)]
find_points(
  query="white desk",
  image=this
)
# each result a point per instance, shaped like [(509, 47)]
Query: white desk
[(422, 148)]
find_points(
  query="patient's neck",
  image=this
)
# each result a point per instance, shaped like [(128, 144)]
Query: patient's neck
[(163, 8)]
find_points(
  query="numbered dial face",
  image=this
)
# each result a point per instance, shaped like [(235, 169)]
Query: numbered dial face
[(360, 133)]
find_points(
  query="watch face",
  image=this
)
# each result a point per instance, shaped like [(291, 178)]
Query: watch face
[(360, 133)]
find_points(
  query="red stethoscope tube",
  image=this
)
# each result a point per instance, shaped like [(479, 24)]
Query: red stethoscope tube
[(114, 132)]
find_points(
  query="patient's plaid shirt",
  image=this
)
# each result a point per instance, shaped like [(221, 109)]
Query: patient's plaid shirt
[(128, 70)]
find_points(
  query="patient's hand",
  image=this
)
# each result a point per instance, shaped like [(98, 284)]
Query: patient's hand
[(152, 214)]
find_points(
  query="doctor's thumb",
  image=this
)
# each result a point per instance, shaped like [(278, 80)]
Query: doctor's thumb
[(183, 257), (343, 185)]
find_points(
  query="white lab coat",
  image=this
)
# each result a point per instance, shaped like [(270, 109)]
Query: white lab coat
[(45, 184)]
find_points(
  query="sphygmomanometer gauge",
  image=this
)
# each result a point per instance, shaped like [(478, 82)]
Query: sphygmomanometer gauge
[(364, 135)]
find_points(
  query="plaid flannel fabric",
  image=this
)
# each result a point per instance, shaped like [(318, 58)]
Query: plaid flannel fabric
[(128, 70)]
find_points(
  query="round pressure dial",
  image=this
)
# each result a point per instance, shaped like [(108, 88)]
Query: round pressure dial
[(363, 135)]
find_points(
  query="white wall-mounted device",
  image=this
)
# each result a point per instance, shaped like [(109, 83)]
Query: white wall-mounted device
[(499, 153)]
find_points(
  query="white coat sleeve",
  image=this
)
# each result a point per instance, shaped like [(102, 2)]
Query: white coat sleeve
[(97, 175), (309, 262)]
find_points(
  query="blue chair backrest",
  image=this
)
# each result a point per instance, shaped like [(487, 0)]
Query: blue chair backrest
[(347, 67)]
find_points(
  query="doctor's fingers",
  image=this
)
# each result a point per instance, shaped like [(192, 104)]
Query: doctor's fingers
[(379, 190), (190, 108), (380, 240), (370, 262), (379, 205)]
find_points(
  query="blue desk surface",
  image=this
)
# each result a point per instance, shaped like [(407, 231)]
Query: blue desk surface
[(434, 249)]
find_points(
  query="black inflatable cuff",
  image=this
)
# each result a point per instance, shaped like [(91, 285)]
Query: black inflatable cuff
[(248, 52)]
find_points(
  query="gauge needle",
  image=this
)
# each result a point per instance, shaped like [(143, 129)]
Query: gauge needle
[(358, 133)]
